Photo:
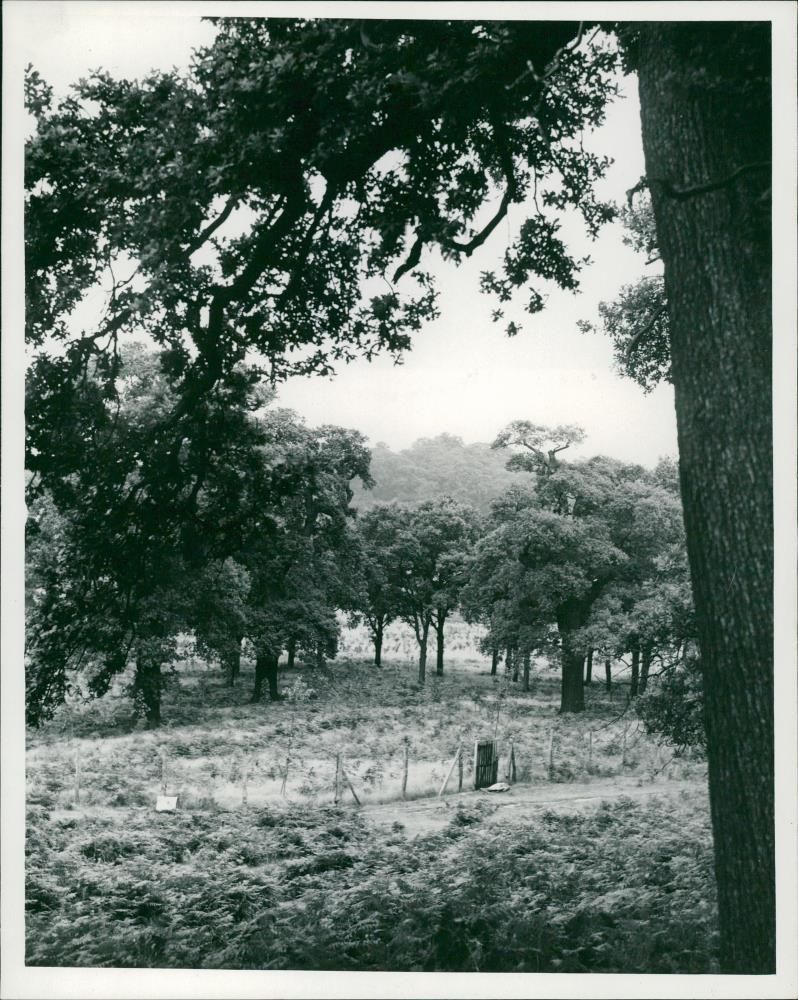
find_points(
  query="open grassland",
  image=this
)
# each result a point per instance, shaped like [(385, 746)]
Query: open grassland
[(259, 868)]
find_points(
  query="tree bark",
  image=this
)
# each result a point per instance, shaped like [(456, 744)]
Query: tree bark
[(148, 684), (608, 675), (589, 667), (422, 651), (378, 632), (234, 667), (635, 681), (572, 615), (266, 670), (705, 108), (527, 663), (494, 661), (291, 650), (439, 625), (515, 663), (645, 666)]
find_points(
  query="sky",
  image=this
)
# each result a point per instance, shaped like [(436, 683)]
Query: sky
[(463, 376)]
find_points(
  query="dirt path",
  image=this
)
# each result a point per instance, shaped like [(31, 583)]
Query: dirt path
[(424, 816)]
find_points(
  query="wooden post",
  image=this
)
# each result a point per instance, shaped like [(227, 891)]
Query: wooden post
[(476, 761), (551, 756), (163, 772), (590, 748), (244, 769), (512, 764), (337, 778), (77, 776), (351, 788), (404, 770), (449, 772), (623, 753), (460, 769)]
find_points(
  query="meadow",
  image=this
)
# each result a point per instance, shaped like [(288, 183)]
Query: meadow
[(260, 867)]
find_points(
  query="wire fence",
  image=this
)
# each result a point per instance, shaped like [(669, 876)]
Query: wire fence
[(347, 772)]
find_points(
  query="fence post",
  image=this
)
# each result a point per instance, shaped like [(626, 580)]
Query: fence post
[(449, 772), (337, 777), (460, 769), (590, 748), (404, 770), (244, 769), (351, 787), (511, 770), (77, 776), (551, 756), (623, 752), (163, 772)]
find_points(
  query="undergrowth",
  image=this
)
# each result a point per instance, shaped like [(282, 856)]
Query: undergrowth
[(624, 888)]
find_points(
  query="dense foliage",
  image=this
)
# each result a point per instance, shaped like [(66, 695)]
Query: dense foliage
[(624, 889)]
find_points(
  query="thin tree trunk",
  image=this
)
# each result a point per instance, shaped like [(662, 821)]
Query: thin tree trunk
[(527, 662), (645, 666), (515, 664), (439, 624), (635, 681), (608, 675), (234, 668), (494, 661), (291, 650), (422, 652), (378, 632), (508, 661), (715, 245), (589, 667)]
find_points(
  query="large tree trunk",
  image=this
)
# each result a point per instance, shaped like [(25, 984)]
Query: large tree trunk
[(705, 105), (148, 684), (266, 670), (645, 667), (439, 624), (378, 633), (572, 615)]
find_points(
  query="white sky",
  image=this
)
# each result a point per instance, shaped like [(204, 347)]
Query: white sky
[(463, 376)]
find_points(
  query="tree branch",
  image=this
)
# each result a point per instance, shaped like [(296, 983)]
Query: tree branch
[(682, 194), (642, 334), (211, 228)]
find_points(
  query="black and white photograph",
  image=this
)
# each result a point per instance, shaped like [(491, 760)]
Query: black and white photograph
[(399, 500)]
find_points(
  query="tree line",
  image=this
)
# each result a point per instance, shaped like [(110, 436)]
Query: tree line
[(578, 559)]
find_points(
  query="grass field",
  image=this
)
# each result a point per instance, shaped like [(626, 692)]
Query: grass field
[(259, 868)]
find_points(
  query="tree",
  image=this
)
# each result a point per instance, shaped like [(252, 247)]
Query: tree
[(378, 601), (588, 526), (468, 109), (428, 560), (637, 321), (708, 152), (298, 551)]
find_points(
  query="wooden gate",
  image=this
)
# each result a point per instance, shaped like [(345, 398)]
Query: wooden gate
[(486, 763)]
